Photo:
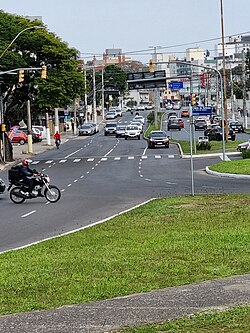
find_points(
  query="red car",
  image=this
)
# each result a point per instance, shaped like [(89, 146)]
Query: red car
[(181, 122), (17, 136)]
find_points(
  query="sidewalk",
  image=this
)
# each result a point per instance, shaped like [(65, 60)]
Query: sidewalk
[(133, 310), (21, 151)]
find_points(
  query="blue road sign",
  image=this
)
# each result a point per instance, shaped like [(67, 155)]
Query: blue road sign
[(202, 111), (175, 85)]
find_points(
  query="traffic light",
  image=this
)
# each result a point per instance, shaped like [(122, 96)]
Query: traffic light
[(44, 72), (193, 100), (151, 66), (21, 76)]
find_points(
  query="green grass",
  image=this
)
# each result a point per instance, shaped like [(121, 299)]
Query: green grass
[(216, 146), (235, 320), (167, 242), (152, 126), (234, 167)]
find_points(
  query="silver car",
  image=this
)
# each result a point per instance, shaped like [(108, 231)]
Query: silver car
[(86, 129)]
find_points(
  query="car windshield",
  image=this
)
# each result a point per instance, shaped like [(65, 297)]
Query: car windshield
[(158, 134), (132, 128), (86, 126), (121, 128), (110, 125)]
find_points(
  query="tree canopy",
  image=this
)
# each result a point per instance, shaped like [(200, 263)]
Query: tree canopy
[(32, 49)]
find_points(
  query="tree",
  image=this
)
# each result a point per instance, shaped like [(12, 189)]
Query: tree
[(33, 49)]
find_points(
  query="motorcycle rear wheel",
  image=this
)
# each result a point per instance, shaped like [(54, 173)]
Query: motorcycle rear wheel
[(15, 195), (53, 194)]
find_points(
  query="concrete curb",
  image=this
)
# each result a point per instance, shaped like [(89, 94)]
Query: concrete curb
[(228, 175)]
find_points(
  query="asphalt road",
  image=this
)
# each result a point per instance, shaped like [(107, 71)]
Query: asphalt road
[(101, 176)]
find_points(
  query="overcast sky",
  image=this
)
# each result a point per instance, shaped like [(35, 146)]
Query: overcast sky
[(91, 26)]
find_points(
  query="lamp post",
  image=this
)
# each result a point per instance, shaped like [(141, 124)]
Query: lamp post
[(224, 69), (156, 90), (29, 28)]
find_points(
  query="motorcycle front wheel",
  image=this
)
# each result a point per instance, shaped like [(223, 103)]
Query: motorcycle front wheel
[(16, 196), (52, 194)]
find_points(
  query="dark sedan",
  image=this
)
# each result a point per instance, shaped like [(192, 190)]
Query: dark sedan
[(174, 124), (158, 138), (215, 134), (236, 126), (200, 125)]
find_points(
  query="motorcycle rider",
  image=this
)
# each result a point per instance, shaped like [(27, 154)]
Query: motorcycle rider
[(29, 177), (57, 137)]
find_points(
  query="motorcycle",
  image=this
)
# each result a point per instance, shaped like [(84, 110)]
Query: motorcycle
[(57, 142), (19, 193), (2, 186)]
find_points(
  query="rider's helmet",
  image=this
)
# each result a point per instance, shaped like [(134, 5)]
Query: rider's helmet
[(26, 162)]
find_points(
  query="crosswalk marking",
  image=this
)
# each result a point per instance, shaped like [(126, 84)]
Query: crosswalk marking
[(118, 158)]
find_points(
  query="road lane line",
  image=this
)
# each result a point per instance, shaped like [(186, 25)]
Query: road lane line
[(72, 153), (28, 214)]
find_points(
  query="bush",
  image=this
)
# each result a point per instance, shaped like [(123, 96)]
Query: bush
[(203, 146), (245, 153)]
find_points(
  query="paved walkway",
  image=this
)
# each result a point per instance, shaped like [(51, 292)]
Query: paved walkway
[(134, 310)]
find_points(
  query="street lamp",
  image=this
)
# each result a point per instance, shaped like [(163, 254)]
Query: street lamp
[(29, 28)]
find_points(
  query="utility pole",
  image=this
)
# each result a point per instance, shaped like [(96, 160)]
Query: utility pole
[(47, 129), (244, 88), (103, 94), (94, 95), (85, 95), (74, 116), (232, 92), (30, 148), (224, 71)]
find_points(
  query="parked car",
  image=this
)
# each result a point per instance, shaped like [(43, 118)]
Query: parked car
[(36, 134), (17, 136), (236, 126), (86, 129), (174, 124), (111, 115), (215, 134), (120, 131), (158, 138), (42, 129), (244, 145), (132, 131), (200, 124), (110, 128)]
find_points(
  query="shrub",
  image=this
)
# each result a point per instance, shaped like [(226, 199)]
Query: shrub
[(245, 153), (203, 146)]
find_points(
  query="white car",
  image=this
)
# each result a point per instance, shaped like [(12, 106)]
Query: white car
[(42, 129), (132, 131), (139, 118), (244, 145), (140, 107), (111, 115), (137, 123)]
